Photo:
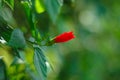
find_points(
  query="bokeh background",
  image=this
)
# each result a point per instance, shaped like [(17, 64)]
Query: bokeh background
[(95, 52)]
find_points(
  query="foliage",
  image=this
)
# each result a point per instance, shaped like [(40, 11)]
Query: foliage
[(28, 28), (18, 36)]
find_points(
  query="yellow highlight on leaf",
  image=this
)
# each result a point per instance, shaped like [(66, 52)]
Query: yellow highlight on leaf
[(39, 7)]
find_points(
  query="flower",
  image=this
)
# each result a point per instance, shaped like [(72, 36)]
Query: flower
[(64, 37)]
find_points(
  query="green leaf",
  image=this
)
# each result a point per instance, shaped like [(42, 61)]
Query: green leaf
[(7, 15), (17, 39), (0, 3), (10, 3), (53, 8), (5, 30), (3, 74), (21, 55), (17, 60), (31, 19), (40, 63), (27, 8), (39, 7)]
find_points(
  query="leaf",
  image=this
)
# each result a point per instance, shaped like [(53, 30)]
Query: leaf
[(17, 60), (53, 8), (10, 3), (6, 21), (31, 19), (40, 63), (21, 55), (5, 30), (3, 74), (26, 6), (32, 40), (17, 39), (39, 7), (0, 3), (7, 15)]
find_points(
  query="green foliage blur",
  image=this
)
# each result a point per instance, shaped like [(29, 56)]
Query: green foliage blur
[(93, 55)]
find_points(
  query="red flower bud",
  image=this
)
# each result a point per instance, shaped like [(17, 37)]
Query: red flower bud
[(64, 37)]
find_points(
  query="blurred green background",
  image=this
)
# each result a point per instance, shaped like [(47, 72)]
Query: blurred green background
[(95, 52)]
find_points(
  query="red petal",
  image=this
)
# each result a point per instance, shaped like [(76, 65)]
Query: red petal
[(66, 36)]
